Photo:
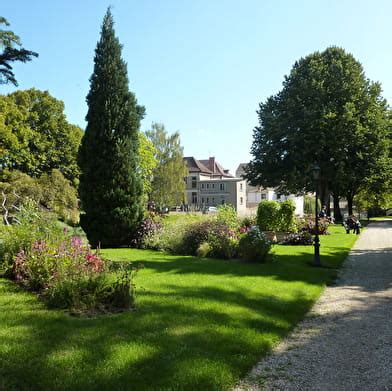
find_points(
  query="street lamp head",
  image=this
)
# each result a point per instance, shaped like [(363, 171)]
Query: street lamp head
[(316, 172)]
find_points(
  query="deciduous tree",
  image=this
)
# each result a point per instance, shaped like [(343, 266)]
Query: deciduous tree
[(35, 136), (168, 184), (327, 113)]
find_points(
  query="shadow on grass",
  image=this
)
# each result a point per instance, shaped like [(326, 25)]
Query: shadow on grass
[(184, 335), (172, 341)]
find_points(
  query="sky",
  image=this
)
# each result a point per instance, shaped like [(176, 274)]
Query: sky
[(200, 67)]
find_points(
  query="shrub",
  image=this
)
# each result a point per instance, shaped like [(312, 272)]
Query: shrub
[(62, 269), (196, 234), (310, 205), (268, 216), (30, 225), (168, 238), (308, 225), (253, 246), (51, 191), (301, 238), (203, 250), (287, 216), (248, 222), (145, 230), (227, 215), (223, 241), (191, 238)]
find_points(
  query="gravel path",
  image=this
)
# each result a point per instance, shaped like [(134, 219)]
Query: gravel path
[(345, 343)]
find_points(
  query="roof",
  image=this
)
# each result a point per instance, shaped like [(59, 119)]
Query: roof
[(206, 166), (241, 169), (195, 165)]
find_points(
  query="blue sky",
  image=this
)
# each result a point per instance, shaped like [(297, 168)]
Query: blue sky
[(200, 67)]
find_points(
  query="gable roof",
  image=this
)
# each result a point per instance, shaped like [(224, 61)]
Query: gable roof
[(195, 165), (206, 166)]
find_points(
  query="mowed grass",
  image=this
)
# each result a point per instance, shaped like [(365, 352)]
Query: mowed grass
[(200, 323)]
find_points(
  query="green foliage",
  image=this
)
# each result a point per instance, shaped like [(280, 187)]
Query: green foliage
[(168, 184), (51, 191), (327, 112), (33, 225), (254, 246), (191, 314), (35, 137), (203, 250), (148, 162), (227, 215), (302, 238), (310, 205), (111, 187), (12, 51), (61, 268), (268, 218), (287, 216), (59, 196), (169, 238)]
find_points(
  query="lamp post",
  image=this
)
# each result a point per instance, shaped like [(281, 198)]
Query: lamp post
[(316, 177)]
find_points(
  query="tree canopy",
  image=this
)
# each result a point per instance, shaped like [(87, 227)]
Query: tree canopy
[(11, 51), (35, 136), (148, 162), (327, 113), (111, 186), (168, 184)]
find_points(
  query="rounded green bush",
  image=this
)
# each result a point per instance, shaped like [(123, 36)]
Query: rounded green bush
[(254, 246)]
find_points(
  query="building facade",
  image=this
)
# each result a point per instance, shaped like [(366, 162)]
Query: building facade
[(209, 184), (256, 194)]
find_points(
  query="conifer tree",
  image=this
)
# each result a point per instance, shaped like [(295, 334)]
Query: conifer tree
[(110, 184)]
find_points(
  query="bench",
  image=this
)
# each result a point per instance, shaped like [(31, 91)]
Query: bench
[(353, 225)]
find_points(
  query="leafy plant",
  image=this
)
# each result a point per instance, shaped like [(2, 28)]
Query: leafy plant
[(203, 250), (308, 225), (287, 216), (227, 215), (254, 246), (301, 238), (146, 229), (268, 218)]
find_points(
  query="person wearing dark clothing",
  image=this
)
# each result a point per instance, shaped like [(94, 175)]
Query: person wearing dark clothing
[(352, 223)]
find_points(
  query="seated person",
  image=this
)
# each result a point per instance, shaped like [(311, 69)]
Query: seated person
[(352, 223), (323, 212), (324, 215)]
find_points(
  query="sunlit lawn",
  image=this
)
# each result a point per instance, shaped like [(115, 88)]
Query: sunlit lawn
[(200, 324)]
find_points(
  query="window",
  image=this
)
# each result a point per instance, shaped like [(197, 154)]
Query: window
[(208, 185), (241, 201), (202, 200), (213, 200), (202, 185), (223, 202), (221, 186), (208, 200), (194, 184), (194, 198), (241, 187), (263, 196), (213, 185)]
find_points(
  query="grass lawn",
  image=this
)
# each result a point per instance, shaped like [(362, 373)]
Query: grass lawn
[(200, 323)]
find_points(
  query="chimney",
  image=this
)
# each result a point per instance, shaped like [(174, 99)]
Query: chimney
[(211, 163)]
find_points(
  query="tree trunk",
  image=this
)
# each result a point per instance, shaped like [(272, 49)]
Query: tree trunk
[(337, 213), (350, 204), (324, 194)]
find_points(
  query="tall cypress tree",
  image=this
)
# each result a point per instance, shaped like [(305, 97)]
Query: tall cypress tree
[(110, 185)]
